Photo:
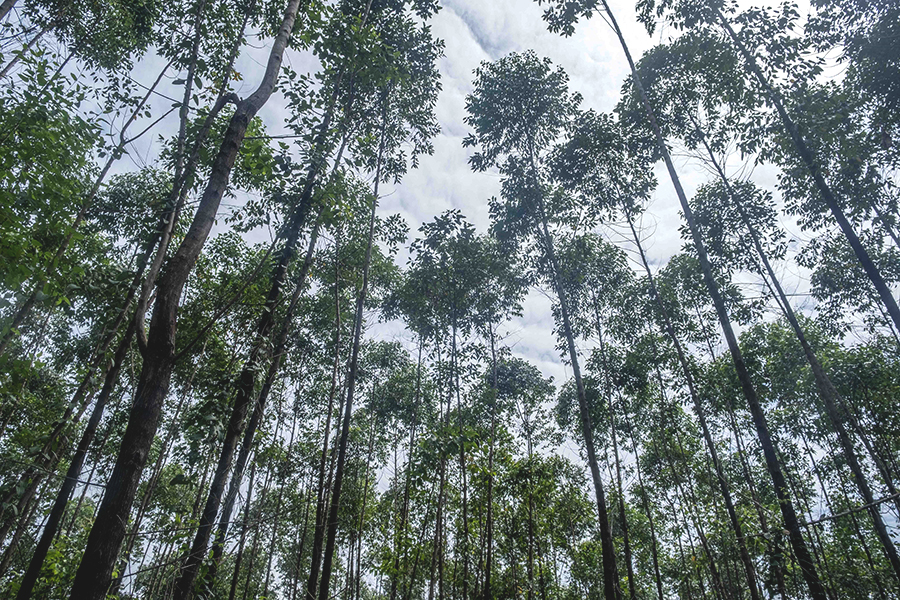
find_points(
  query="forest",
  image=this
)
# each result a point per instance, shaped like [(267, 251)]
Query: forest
[(246, 353)]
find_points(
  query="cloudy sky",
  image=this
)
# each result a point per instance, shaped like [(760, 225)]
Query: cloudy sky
[(476, 31), (480, 30)]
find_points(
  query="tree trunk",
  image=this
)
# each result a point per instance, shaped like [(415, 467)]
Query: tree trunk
[(489, 544), (632, 593), (319, 531), (462, 467), (827, 392), (400, 543), (6, 7), (246, 386), (654, 547), (822, 186), (74, 471), (25, 49), (256, 531), (93, 576), (362, 516), (611, 587), (700, 412), (235, 576), (26, 308), (762, 428), (328, 556)]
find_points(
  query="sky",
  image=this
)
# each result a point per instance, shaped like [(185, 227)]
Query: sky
[(475, 31), (479, 30)]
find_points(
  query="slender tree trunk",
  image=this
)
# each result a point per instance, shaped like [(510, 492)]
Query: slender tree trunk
[(654, 544), (611, 587), (400, 544), (362, 516), (415, 570), (246, 386), (74, 471), (24, 50), (235, 576), (22, 524), (254, 546), (462, 467), (762, 428), (700, 412), (93, 576), (827, 392), (489, 545), (806, 155), (632, 593), (276, 520), (319, 533), (873, 452), (351, 377), (26, 308), (152, 483), (832, 508), (247, 378)]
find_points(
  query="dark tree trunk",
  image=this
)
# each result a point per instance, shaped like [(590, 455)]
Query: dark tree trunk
[(319, 530), (6, 7), (489, 544), (74, 471), (815, 172), (632, 593), (235, 576), (104, 542), (724, 487), (654, 547), (462, 467), (827, 392), (611, 587), (246, 387), (328, 555), (400, 544), (788, 512)]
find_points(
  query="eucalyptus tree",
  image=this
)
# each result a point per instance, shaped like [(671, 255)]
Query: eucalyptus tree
[(346, 47), (750, 209), (184, 51), (522, 388), (862, 31), (685, 83), (608, 169), (409, 83), (158, 346), (180, 51), (770, 31), (561, 17), (600, 294), (499, 291), (518, 109), (108, 53)]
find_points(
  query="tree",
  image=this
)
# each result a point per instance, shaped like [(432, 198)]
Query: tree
[(519, 106)]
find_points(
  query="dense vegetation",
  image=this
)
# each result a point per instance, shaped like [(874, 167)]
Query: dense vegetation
[(186, 413)]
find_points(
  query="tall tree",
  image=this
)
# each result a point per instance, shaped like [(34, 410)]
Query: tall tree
[(518, 108)]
